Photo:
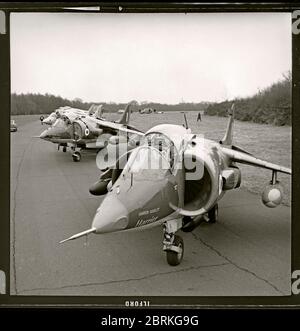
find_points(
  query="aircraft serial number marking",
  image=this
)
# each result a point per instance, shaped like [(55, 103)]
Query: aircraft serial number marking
[(145, 222)]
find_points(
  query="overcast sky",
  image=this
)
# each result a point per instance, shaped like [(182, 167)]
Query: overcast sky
[(165, 58)]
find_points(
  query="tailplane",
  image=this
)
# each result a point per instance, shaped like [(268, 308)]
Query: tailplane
[(228, 137)]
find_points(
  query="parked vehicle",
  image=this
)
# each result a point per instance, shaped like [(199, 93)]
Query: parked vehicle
[(13, 126)]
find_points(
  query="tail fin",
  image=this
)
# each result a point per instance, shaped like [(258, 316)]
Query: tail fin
[(91, 109), (126, 115), (99, 111), (228, 137)]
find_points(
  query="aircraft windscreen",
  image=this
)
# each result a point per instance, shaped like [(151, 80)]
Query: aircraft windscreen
[(147, 163), (59, 123)]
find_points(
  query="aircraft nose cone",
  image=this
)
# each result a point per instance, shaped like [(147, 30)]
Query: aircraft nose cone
[(111, 216)]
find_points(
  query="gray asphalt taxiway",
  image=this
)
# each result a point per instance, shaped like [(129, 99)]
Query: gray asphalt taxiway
[(246, 253)]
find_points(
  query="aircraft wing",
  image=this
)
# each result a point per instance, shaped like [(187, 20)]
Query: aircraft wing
[(78, 142), (62, 140), (241, 157), (89, 143), (115, 126)]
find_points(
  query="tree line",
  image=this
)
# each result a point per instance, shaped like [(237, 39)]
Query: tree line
[(31, 103), (35, 103), (271, 105)]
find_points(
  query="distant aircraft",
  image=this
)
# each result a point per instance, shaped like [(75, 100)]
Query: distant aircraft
[(146, 111), (155, 111), (87, 132), (187, 177), (61, 131), (95, 133), (150, 110)]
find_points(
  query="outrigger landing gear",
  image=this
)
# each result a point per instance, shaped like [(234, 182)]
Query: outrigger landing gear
[(173, 244), (76, 156)]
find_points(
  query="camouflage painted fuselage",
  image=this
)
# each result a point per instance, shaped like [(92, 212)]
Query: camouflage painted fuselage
[(146, 196)]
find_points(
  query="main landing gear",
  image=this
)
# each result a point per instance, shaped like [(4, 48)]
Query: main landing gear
[(64, 148), (173, 244), (189, 224), (213, 215), (76, 156)]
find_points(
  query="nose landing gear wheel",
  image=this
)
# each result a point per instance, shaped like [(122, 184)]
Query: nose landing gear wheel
[(76, 156), (175, 257), (213, 214), (64, 149)]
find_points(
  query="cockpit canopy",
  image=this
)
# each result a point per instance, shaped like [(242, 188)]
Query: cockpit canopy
[(59, 123), (157, 140), (53, 114), (153, 159)]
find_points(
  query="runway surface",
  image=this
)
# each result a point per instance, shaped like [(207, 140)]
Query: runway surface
[(246, 253)]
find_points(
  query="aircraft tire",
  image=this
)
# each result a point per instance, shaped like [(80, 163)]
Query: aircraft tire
[(64, 149), (174, 258), (76, 156), (213, 214)]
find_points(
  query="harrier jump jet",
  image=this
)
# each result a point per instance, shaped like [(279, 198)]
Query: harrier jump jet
[(86, 131), (187, 176)]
